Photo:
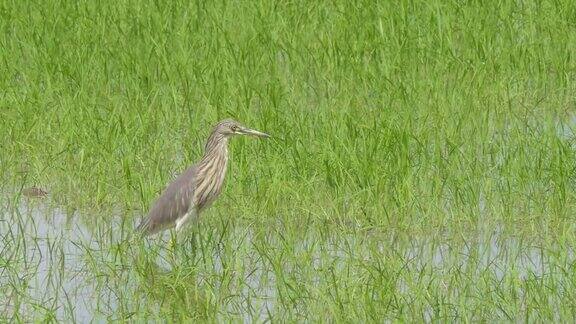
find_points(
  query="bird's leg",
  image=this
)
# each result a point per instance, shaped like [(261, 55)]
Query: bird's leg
[(186, 231), (187, 245), (180, 222)]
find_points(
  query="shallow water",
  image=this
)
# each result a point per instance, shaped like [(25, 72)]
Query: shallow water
[(56, 261), (52, 259), (566, 129)]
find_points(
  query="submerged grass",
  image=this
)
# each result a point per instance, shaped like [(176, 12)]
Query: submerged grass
[(422, 165)]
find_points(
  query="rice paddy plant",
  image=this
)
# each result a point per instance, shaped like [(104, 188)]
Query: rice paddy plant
[(422, 165)]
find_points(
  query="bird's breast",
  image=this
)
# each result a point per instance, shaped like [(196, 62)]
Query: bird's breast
[(211, 179)]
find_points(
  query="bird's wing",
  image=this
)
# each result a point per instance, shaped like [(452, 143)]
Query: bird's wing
[(172, 204)]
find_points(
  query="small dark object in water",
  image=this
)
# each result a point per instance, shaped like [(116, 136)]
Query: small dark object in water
[(34, 192)]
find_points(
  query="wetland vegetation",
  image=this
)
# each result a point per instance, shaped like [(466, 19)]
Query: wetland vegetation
[(422, 166)]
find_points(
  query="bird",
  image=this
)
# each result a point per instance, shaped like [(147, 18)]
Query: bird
[(198, 186)]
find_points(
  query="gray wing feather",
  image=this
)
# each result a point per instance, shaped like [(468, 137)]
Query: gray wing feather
[(172, 204)]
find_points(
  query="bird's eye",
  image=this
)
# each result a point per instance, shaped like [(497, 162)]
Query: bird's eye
[(234, 128)]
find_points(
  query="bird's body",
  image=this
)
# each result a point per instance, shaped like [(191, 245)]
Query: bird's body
[(197, 187)]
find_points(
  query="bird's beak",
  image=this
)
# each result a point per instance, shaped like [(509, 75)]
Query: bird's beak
[(252, 132)]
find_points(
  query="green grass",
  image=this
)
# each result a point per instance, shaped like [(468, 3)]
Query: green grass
[(422, 167)]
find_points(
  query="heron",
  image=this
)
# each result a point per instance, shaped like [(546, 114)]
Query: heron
[(198, 186)]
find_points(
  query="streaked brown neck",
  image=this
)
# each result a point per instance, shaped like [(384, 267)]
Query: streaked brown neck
[(212, 170), (216, 146)]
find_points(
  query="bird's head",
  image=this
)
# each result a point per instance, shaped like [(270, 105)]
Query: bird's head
[(229, 127)]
